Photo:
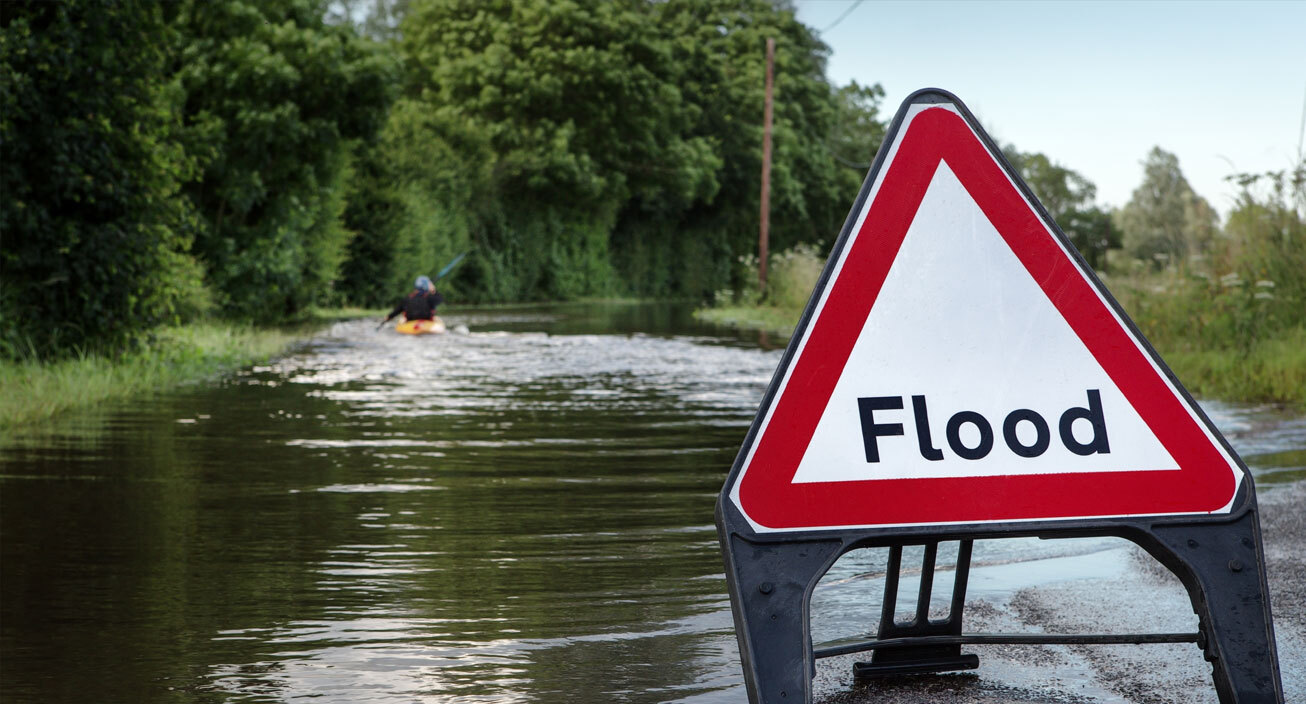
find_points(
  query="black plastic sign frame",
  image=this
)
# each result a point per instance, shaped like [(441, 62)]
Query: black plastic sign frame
[(1217, 556)]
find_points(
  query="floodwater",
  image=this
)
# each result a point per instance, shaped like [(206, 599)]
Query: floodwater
[(521, 513)]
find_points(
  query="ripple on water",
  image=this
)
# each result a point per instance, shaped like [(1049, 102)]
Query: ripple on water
[(497, 516), (597, 418)]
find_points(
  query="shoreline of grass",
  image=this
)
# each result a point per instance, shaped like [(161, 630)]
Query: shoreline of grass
[(35, 391), (768, 319), (1270, 370)]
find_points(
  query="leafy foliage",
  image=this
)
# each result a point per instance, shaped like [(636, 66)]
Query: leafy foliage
[(720, 45), (589, 147), (858, 130), (377, 19), (162, 162), (1165, 221), (579, 99), (273, 97), (579, 110), (95, 237), (248, 161), (1068, 198)]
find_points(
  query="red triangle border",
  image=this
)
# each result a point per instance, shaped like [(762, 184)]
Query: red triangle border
[(1204, 482)]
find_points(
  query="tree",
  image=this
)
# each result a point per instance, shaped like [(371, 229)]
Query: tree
[(858, 130), (1068, 198), (1165, 221), (417, 200), (95, 235), (377, 19), (719, 45), (1093, 231), (581, 110), (579, 98), (273, 99), (590, 147)]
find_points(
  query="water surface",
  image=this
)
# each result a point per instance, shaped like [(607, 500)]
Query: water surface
[(521, 513)]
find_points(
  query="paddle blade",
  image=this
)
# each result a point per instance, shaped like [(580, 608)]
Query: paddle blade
[(449, 267)]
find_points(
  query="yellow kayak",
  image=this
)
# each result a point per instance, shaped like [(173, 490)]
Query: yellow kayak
[(421, 327)]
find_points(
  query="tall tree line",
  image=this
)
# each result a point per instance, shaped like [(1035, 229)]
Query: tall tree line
[(161, 162), (165, 161), (595, 148)]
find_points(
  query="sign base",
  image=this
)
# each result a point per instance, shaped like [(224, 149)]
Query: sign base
[(960, 373), (1220, 562)]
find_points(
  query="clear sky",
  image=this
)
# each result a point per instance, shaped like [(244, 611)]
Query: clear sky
[(1094, 85)]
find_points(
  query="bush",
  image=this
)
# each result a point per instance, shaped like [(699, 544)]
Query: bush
[(274, 99), (792, 275), (96, 238)]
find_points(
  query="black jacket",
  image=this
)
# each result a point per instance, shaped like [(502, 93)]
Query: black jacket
[(419, 305)]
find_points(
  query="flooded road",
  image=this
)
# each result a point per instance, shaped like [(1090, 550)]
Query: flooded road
[(522, 513)]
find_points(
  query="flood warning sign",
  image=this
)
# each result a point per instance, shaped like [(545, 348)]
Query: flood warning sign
[(959, 364)]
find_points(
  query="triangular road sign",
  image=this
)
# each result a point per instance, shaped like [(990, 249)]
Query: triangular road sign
[(960, 364)]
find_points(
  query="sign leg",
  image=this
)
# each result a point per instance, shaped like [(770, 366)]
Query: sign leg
[(1222, 566), (928, 658), (770, 587)]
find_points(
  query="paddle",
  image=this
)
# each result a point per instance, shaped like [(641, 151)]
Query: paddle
[(440, 275), (449, 267)]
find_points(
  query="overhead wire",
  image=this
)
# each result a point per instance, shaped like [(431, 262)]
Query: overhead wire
[(824, 143), (841, 18)]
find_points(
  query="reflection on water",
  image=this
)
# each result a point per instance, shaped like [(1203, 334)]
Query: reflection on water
[(519, 513), (522, 513), (1271, 442)]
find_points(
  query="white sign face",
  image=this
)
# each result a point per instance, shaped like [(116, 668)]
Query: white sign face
[(961, 326)]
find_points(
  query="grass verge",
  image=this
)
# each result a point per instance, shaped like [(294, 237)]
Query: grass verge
[(1270, 370), (778, 321), (32, 391)]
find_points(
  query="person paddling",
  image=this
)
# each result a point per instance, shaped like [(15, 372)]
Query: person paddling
[(420, 304)]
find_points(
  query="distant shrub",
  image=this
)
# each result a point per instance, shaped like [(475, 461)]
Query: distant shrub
[(792, 276)]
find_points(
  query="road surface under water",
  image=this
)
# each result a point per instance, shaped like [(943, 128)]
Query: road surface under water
[(521, 513)]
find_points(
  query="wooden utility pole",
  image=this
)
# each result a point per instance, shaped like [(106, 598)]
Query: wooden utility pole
[(764, 231)]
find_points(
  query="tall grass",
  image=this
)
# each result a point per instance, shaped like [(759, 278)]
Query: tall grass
[(32, 391), (791, 276), (1270, 370), (1224, 336), (1231, 320)]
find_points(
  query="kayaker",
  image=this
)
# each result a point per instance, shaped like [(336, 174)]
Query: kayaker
[(420, 304)]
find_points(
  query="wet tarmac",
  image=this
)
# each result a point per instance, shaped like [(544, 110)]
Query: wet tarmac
[(1131, 593)]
